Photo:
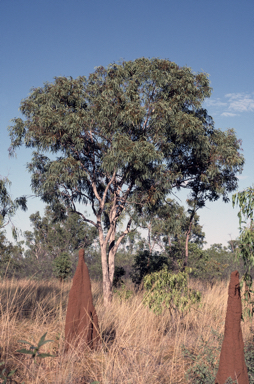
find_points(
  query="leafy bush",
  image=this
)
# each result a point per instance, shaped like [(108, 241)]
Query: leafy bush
[(62, 266), (119, 273), (204, 362), (146, 263), (249, 360), (169, 290), (212, 264)]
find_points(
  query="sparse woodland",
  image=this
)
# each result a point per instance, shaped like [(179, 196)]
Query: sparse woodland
[(138, 346), (121, 142)]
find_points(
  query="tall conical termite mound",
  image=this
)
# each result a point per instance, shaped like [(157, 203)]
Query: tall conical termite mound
[(232, 363), (81, 324)]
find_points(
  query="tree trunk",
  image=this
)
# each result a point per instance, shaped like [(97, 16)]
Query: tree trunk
[(108, 267), (186, 248), (169, 242), (105, 276), (187, 241)]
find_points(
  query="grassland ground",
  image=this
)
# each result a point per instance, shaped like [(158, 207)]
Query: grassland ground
[(138, 347)]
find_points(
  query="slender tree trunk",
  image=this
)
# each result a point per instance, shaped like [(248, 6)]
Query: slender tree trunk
[(108, 260), (187, 241), (105, 273), (107, 287), (187, 247), (108, 266), (149, 238), (169, 242)]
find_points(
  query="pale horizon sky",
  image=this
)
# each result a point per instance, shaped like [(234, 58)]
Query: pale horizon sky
[(44, 39)]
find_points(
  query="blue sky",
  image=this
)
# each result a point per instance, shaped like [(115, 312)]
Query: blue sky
[(44, 39)]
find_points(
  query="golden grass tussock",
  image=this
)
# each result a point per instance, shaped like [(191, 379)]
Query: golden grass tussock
[(138, 347)]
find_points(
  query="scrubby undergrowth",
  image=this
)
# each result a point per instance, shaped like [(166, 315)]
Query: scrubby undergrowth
[(138, 346)]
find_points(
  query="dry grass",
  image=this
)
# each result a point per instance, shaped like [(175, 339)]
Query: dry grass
[(138, 346)]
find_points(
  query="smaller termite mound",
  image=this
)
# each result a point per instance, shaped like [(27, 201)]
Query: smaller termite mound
[(232, 363), (81, 326)]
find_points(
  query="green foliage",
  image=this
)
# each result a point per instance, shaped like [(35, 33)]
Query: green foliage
[(212, 264), (11, 257), (119, 273), (245, 200), (167, 226), (8, 207), (169, 290), (34, 350), (123, 293), (122, 139), (204, 361), (146, 263), (62, 266), (4, 375), (249, 360), (53, 234)]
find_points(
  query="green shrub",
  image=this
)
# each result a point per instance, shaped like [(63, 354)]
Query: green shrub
[(204, 362), (119, 273), (62, 266), (169, 290), (146, 263), (34, 350), (4, 375)]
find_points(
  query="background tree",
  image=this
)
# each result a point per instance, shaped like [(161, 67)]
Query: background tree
[(54, 235), (124, 138), (214, 263), (10, 255), (62, 266), (11, 258), (8, 207), (126, 252), (145, 263), (166, 240), (170, 229), (245, 249)]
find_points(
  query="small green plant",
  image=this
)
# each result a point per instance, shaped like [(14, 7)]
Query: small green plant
[(123, 293), (203, 363), (3, 375), (249, 360), (62, 266), (33, 350), (169, 290)]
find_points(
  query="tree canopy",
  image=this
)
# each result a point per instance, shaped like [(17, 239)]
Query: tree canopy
[(245, 201), (50, 238), (122, 139), (8, 207)]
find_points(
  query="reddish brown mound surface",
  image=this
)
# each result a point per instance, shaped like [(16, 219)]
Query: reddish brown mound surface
[(232, 363), (81, 324)]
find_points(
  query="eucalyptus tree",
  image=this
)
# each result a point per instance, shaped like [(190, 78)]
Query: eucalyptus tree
[(122, 139), (8, 206), (52, 235), (11, 257), (171, 229)]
